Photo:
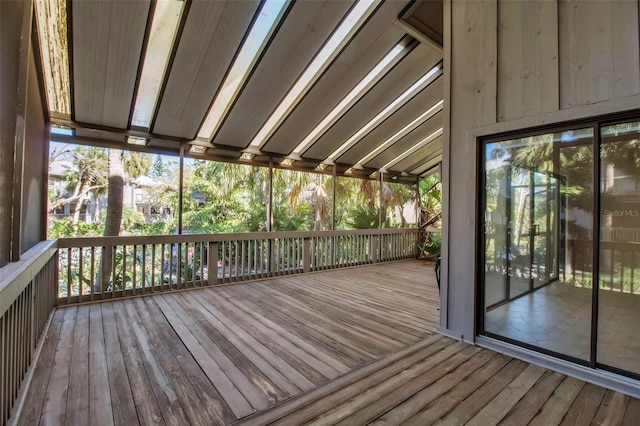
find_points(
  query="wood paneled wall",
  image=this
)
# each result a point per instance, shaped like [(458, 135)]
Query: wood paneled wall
[(512, 65)]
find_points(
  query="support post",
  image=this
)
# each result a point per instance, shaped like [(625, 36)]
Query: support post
[(306, 254), (381, 200), (419, 237), (270, 249), (181, 189), (373, 248), (334, 239), (212, 263)]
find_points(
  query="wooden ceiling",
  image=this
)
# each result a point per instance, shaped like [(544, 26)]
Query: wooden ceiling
[(108, 41)]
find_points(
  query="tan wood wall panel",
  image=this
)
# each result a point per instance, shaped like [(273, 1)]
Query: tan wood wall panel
[(472, 104), (599, 55), (527, 58)]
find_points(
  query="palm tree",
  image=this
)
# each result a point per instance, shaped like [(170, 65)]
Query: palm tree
[(113, 220)]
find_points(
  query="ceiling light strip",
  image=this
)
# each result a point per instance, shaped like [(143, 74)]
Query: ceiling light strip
[(354, 96), (262, 29), (164, 26), (341, 36), (414, 148), (404, 131), (416, 87)]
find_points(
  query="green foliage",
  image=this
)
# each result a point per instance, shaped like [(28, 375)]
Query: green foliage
[(63, 228), (364, 217)]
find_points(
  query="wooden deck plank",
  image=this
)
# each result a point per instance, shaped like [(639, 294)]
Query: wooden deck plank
[(100, 410), (281, 347), (179, 366), (266, 375), (401, 358), (329, 402), (152, 357), (585, 405), (384, 333), (144, 398), (530, 404), (55, 403), (612, 409), (77, 397), (344, 348), (495, 410), (558, 404), (357, 313), (122, 399), (240, 394), (632, 413), (446, 402), (482, 395), (253, 344), (382, 399), (326, 365), (328, 322), (378, 315), (414, 403), (42, 373), (318, 348)]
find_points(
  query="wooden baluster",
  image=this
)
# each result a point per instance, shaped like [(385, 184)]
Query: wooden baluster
[(80, 272)]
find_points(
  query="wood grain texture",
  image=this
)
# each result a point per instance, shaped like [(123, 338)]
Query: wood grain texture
[(293, 350), (214, 355), (599, 51), (527, 58), (451, 383)]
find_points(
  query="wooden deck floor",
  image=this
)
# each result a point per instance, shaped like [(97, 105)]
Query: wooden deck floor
[(445, 382), (212, 356)]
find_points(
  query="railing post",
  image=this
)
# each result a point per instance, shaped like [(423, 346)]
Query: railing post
[(306, 254), (373, 248), (212, 264)]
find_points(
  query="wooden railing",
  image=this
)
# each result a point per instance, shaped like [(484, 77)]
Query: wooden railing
[(27, 297), (105, 268)]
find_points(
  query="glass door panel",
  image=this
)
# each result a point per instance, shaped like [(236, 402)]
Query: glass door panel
[(538, 233), (619, 280)]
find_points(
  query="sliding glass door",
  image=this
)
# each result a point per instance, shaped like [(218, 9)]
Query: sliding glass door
[(619, 279), (561, 238)]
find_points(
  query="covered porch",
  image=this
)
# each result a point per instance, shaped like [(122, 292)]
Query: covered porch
[(218, 354), (349, 346)]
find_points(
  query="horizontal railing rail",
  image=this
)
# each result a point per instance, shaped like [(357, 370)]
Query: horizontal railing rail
[(102, 268), (27, 297)]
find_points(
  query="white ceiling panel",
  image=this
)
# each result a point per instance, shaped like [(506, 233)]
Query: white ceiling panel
[(427, 153), (107, 43), (407, 72), (370, 45), (302, 34), (410, 140), (424, 100), (212, 34), (108, 49)]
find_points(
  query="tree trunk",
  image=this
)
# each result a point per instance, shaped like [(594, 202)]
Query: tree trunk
[(115, 197)]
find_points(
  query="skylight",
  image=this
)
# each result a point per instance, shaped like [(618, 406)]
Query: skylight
[(52, 32), (414, 148), (134, 140), (164, 26), (197, 149), (61, 130), (251, 49), (403, 132), (361, 88), (416, 87), (349, 26)]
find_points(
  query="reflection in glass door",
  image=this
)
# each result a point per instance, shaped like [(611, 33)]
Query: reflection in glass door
[(538, 212), (618, 345)]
